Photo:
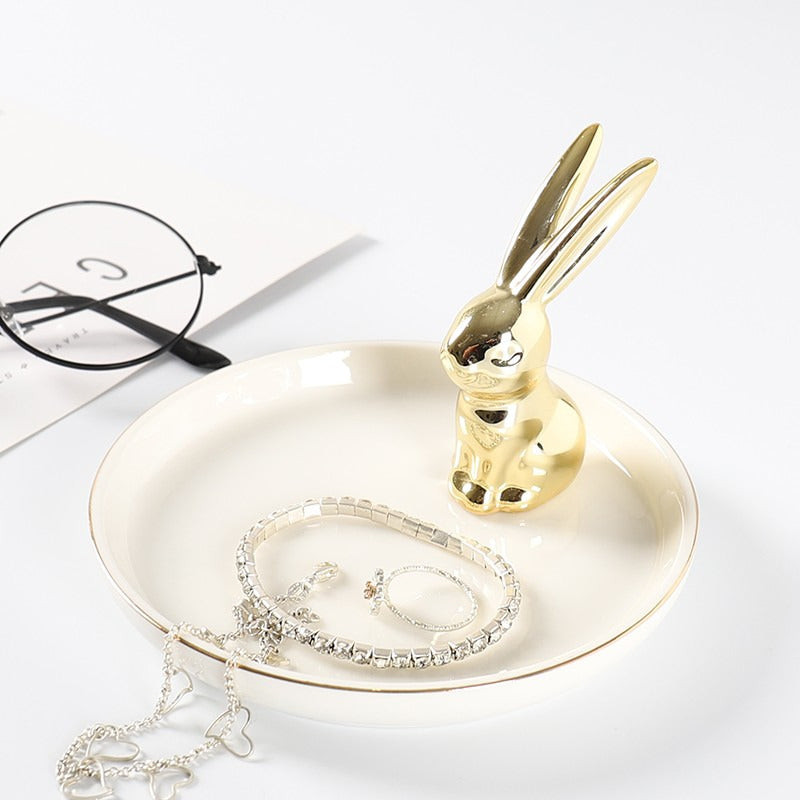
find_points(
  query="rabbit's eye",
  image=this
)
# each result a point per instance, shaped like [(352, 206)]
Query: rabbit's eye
[(508, 355), (511, 361)]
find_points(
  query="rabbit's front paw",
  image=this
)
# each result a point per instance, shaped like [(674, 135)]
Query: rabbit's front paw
[(470, 493), (512, 498)]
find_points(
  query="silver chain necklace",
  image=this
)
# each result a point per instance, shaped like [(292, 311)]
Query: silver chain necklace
[(103, 754), (89, 767), (87, 771)]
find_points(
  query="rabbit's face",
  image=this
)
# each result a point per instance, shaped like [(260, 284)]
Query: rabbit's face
[(497, 345)]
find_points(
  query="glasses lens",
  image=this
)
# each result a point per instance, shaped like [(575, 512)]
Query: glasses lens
[(97, 284)]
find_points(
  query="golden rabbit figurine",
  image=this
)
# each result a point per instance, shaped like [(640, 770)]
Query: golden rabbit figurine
[(520, 438)]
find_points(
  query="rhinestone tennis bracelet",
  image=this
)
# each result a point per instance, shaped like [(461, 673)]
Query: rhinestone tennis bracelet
[(285, 625)]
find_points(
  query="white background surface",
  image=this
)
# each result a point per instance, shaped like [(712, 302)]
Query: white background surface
[(431, 125)]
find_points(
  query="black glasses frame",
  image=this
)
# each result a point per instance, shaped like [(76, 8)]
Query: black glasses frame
[(196, 354)]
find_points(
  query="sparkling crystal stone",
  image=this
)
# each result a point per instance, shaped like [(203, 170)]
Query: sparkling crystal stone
[(329, 506), (442, 656), (362, 653), (460, 650), (364, 509), (401, 658), (303, 633), (493, 632), (381, 658), (440, 537), (477, 642), (421, 657), (311, 509), (347, 506), (395, 519), (342, 648), (323, 642), (505, 621)]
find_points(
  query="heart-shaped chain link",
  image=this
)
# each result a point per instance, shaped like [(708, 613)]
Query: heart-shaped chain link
[(242, 748), (118, 750), (187, 688), (164, 784), (81, 771)]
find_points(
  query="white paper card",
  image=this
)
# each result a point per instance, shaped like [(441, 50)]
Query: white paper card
[(257, 241)]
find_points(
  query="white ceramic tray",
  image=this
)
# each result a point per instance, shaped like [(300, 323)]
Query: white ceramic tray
[(599, 565)]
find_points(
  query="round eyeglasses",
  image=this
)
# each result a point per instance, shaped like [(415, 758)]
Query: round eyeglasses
[(97, 285)]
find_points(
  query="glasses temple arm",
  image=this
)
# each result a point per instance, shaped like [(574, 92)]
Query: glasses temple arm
[(197, 355)]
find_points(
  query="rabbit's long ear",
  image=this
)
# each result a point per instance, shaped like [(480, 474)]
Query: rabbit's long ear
[(560, 259), (556, 199)]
